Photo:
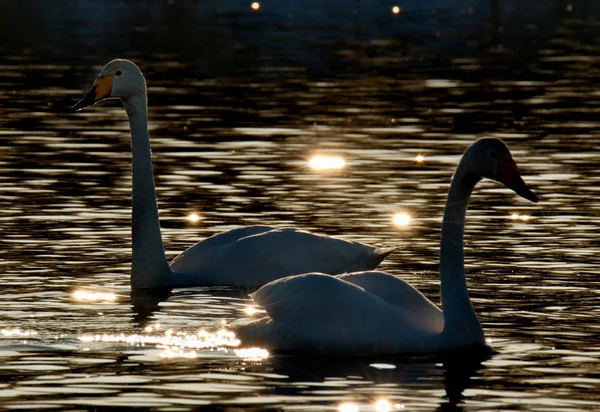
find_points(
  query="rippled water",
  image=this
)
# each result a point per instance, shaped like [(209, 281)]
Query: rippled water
[(239, 101)]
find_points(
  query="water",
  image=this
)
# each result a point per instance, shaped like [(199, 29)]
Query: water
[(239, 101)]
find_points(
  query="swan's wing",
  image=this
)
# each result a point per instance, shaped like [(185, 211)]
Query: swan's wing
[(324, 314), (224, 238), (399, 293), (261, 257), (304, 298)]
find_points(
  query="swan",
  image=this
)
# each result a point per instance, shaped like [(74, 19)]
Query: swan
[(375, 313), (244, 257)]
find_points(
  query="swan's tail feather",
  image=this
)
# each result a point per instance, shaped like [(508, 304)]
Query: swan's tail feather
[(383, 252)]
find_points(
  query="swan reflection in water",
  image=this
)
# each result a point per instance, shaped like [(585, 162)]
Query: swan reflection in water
[(454, 370), (145, 302)]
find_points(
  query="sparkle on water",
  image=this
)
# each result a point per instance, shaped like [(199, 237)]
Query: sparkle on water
[(516, 216), (89, 296), (348, 407), (419, 158), (401, 219), (17, 333), (382, 405), (382, 366), (252, 354), (320, 162), (151, 328), (174, 344), (194, 217), (250, 310)]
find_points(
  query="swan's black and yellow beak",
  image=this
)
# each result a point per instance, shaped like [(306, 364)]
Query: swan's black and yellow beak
[(100, 91)]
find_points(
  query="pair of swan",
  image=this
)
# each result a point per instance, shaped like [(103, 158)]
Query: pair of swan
[(354, 314), (245, 257), (374, 313)]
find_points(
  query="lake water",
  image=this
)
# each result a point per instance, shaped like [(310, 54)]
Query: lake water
[(239, 101)]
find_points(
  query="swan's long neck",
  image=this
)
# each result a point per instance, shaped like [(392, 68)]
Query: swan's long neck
[(149, 264), (461, 325)]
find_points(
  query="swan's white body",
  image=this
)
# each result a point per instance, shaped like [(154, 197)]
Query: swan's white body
[(250, 256), (331, 315), (373, 313)]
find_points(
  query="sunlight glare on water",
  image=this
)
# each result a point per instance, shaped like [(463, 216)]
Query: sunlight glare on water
[(383, 405), (320, 162), (401, 219), (17, 333), (388, 101), (250, 310), (174, 343), (194, 217), (89, 296), (252, 354), (516, 216), (348, 407)]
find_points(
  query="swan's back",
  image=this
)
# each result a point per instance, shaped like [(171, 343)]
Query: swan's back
[(401, 294), (220, 239), (257, 255), (324, 314)]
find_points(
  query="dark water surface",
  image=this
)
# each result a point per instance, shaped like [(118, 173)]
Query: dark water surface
[(239, 101)]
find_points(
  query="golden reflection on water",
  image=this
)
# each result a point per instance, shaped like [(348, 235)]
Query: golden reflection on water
[(516, 216), (401, 219), (173, 343), (17, 333), (382, 366), (320, 162), (382, 405), (88, 296), (348, 407), (419, 158), (252, 354), (250, 310), (170, 353), (150, 328), (194, 217)]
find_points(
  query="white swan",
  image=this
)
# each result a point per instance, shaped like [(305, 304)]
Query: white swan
[(372, 313), (250, 256)]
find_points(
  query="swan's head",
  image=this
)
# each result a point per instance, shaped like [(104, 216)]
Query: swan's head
[(119, 79), (490, 158)]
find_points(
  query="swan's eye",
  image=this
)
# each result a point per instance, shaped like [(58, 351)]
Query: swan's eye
[(494, 155), (118, 73)]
